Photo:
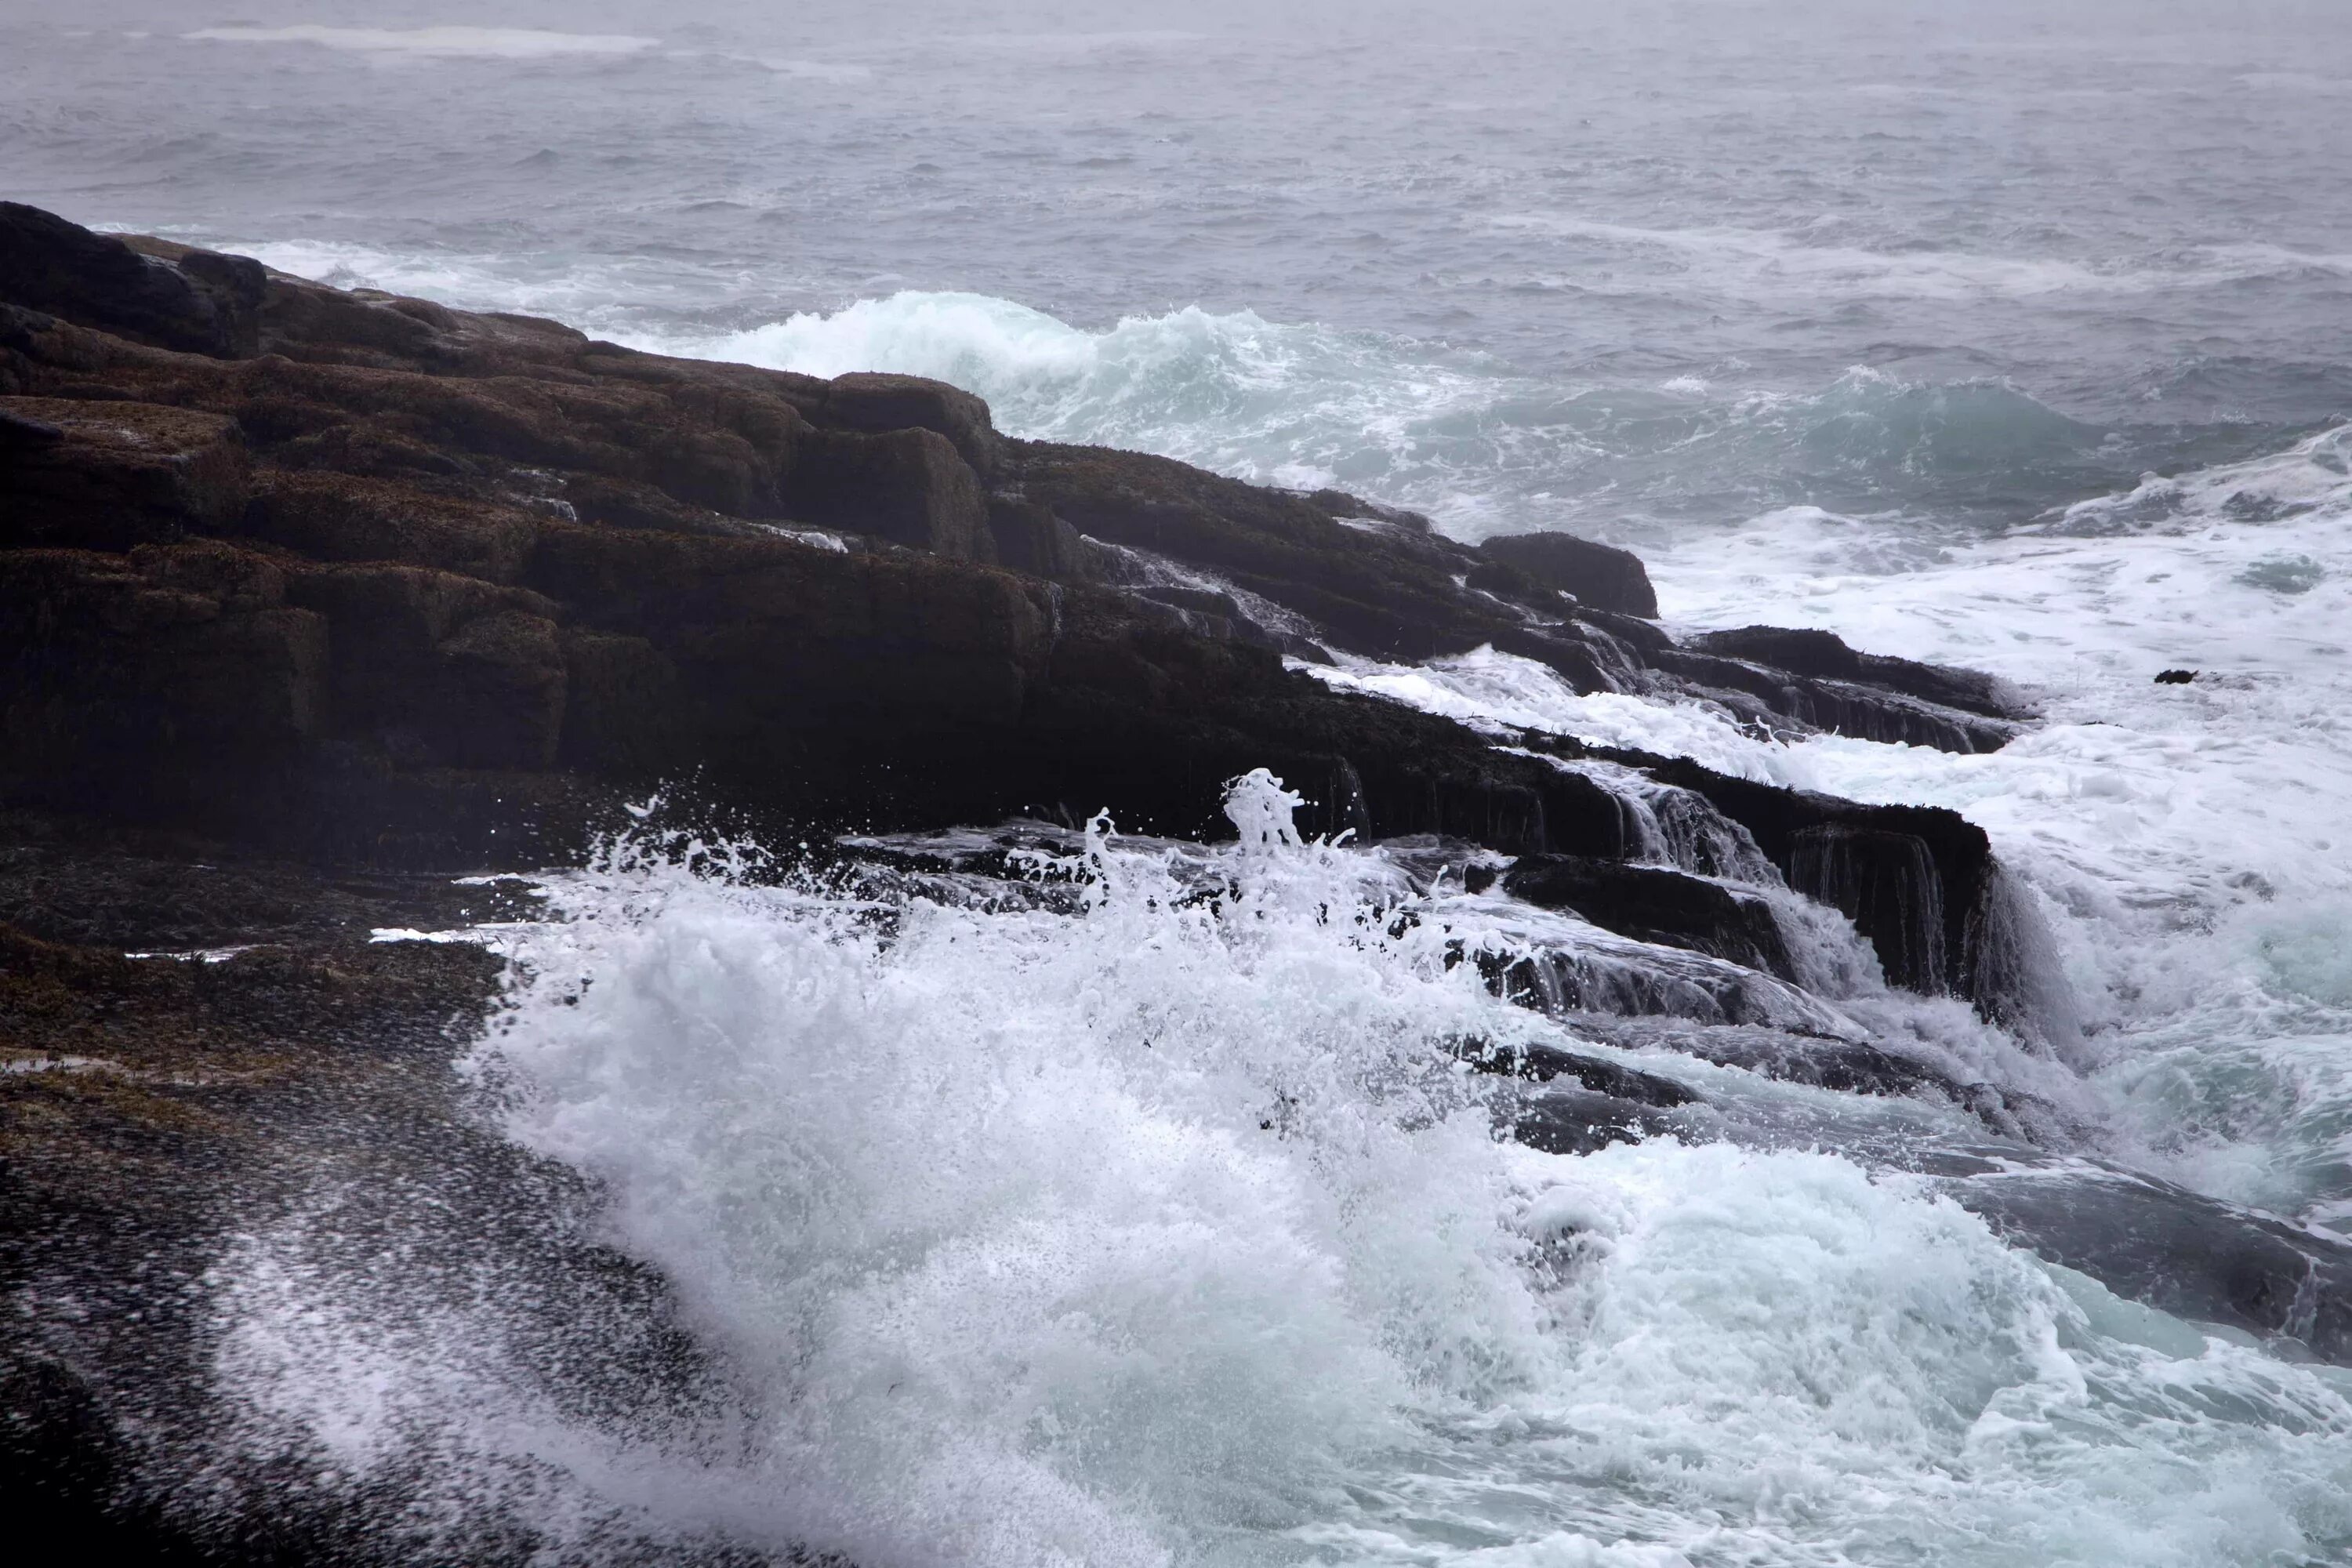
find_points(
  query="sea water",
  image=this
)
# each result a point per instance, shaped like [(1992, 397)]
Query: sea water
[(1116, 1227)]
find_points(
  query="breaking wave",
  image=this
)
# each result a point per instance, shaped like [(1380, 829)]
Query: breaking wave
[(1466, 437), (1145, 1217)]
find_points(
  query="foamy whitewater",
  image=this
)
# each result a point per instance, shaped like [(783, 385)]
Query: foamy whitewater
[(1133, 1208)]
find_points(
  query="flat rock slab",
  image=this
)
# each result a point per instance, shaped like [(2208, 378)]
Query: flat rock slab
[(117, 475)]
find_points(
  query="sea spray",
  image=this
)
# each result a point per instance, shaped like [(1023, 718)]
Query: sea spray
[(1159, 1226), (1042, 1235)]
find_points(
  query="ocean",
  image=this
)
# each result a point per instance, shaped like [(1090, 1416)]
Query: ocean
[(2017, 336)]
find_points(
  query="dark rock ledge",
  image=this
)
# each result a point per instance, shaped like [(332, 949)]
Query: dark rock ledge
[(308, 597)]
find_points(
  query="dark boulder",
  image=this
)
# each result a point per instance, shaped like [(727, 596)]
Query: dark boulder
[(1601, 575), (206, 304), (2185, 1254), (1651, 903), (873, 403)]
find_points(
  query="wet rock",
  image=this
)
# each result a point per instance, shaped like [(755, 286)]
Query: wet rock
[(1375, 592), (1825, 656), (1639, 980), (1341, 507), (626, 709), (127, 681), (1820, 1061), (1563, 1121), (1599, 575), (21, 432), (1653, 904), (1889, 884), (2175, 677), (503, 682), (1918, 882), (545, 567), (195, 1105), (1540, 1063), (2176, 1250), (1843, 707)]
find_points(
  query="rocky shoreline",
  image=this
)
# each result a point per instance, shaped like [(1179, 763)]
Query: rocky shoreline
[(313, 599), (366, 580)]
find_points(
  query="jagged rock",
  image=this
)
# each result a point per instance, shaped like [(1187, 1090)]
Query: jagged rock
[(1654, 904), (1599, 575)]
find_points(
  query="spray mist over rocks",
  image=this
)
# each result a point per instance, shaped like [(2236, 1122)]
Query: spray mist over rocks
[(1135, 1210)]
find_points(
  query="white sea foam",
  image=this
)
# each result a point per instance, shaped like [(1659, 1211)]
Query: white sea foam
[(2189, 842), (1145, 1232), (1501, 691), (435, 43), (1298, 404), (610, 298), (1779, 264), (2186, 845), (1062, 1243)]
